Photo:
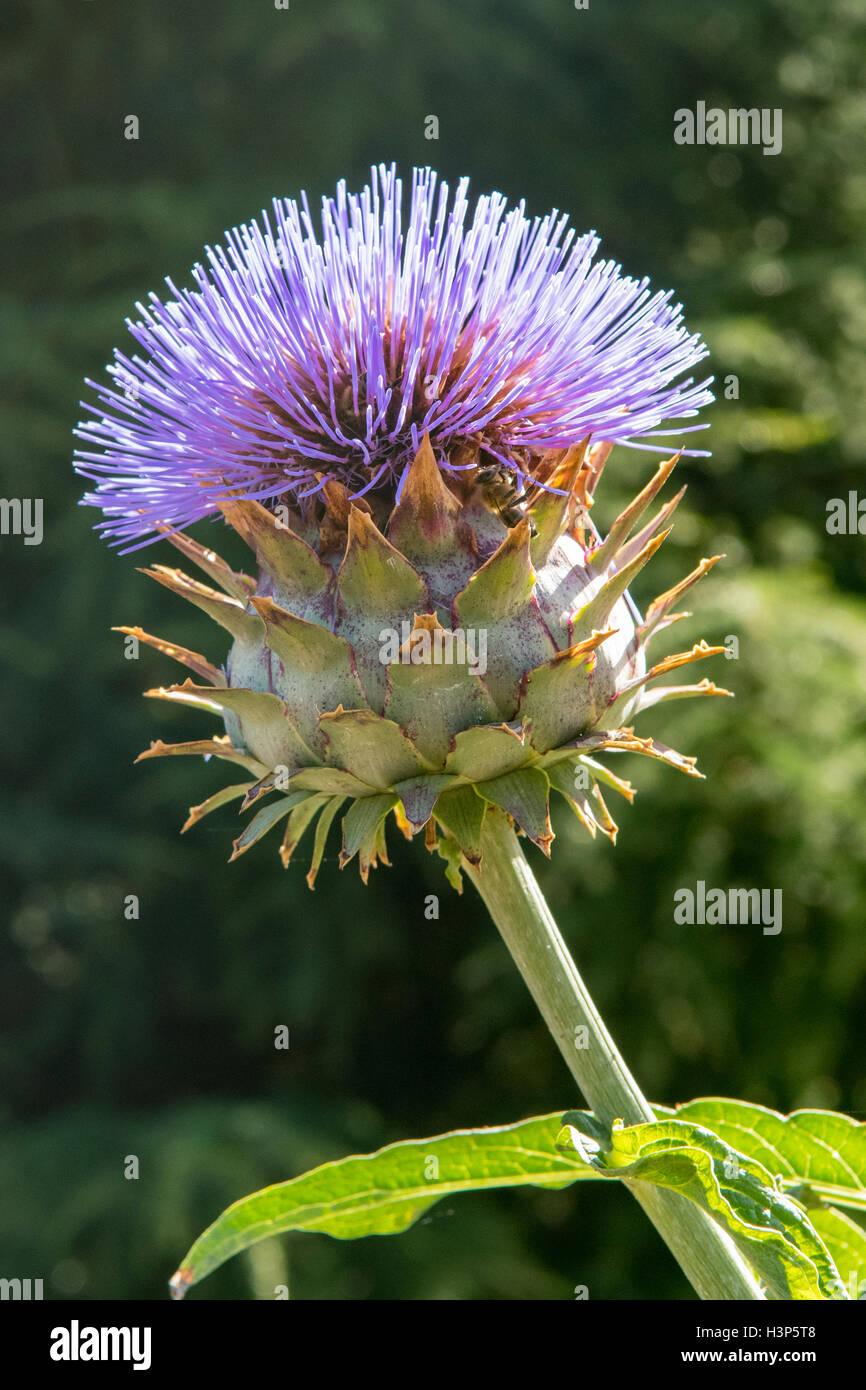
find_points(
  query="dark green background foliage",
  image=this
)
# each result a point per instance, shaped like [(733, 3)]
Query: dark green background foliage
[(155, 1037)]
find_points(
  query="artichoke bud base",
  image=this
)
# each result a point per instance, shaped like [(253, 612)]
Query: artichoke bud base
[(430, 661)]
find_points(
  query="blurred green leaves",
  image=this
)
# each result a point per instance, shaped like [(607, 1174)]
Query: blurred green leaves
[(165, 1025)]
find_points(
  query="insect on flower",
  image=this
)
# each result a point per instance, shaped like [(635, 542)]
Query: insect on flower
[(502, 493)]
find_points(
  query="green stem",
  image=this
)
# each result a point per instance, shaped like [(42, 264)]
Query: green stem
[(505, 881)]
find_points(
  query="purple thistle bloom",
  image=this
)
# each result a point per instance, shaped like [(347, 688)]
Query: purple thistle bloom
[(300, 358)]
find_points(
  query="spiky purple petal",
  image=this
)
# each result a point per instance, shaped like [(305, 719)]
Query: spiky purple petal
[(304, 356)]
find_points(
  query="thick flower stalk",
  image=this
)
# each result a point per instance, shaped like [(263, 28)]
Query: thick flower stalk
[(408, 427)]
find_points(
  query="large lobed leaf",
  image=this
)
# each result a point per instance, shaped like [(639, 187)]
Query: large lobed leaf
[(769, 1179), (818, 1156), (770, 1227), (383, 1193), (815, 1153)]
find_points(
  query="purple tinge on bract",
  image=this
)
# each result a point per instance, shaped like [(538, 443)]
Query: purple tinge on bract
[(303, 356)]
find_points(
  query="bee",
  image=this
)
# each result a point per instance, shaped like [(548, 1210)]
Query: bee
[(501, 493)]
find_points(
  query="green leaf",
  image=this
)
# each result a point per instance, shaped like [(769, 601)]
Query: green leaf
[(426, 528), (384, 1193), (265, 724), (566, 695), (193, 660), (332, 781), (798, 1254), (561, 778), (301, 818), (817, 1154), (489, 751), (213, 803), (265, 819), (772, 1230), (452, 854), (817, 1157), (846, 1242), (418, 795), (525, 796), (373, 849), (594, 615), (378, 590), (625, 523), (303, 583), (324, 824), (604, 774), (375, 750), (436, 698), (552, 512), (499, 600), (317, 670), (236, 585), (361, 820), (461, 812), (220, 747), (229, 612)]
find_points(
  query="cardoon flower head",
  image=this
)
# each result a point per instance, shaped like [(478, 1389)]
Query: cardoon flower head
[(308, 355), (408, 428)]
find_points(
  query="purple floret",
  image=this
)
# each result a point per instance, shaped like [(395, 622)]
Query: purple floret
[(303, 356)]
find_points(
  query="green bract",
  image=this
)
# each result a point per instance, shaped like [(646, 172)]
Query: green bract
[(428, 661)]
